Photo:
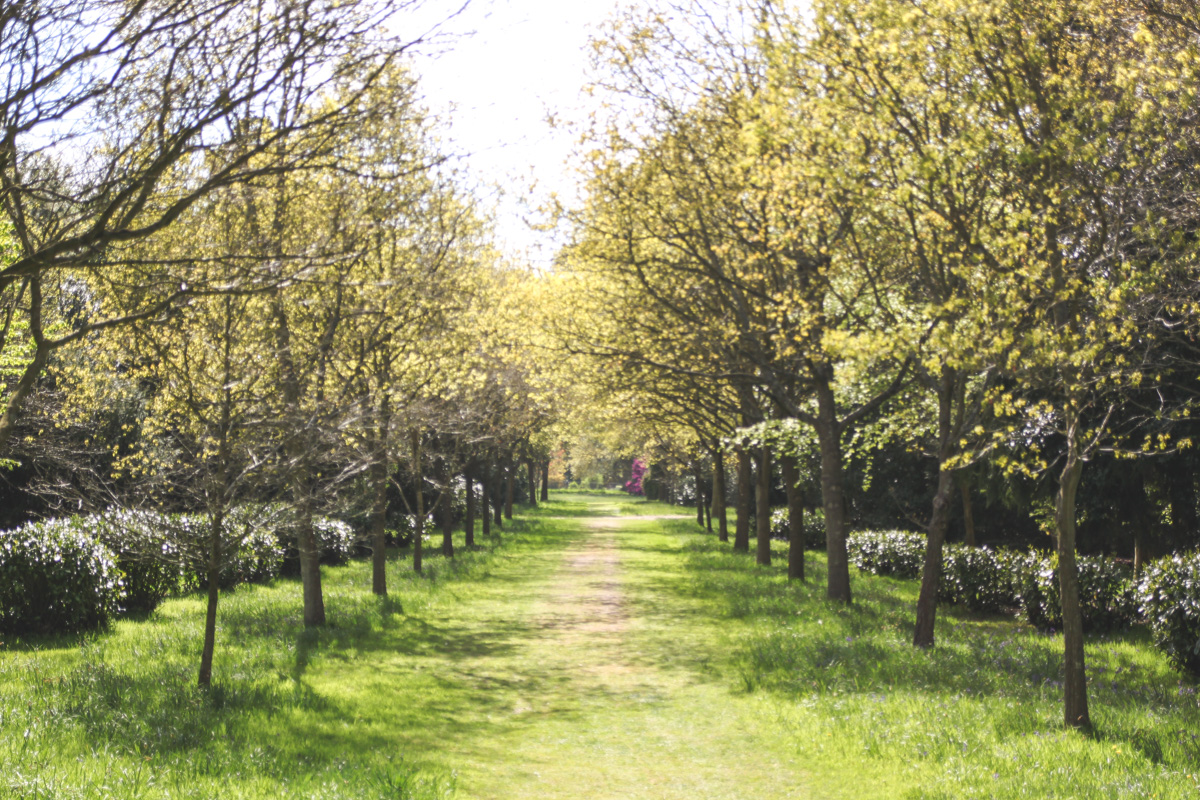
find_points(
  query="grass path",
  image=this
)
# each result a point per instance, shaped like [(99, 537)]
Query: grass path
[(572, 672)]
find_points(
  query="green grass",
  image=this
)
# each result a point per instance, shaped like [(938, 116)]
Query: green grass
[(633, 660), (292, 713), (978, 716)]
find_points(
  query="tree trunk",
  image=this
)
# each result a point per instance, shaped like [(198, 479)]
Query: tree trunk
[(32, 371), (485, 498), (719, 496), (214, 589), (545, 481), (419, 526), (1075, 703), (699, 495), (498, 494), (306, 544), (741, 534), (795, 503), (931, 573), (833, 494), (533, 481), (762, 511), (469, 522), (939, 519), (964, 488), (446, 514), (379, 490), (310, 565), (510, 478)]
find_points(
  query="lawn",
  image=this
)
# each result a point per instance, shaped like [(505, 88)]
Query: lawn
[(590, 653)]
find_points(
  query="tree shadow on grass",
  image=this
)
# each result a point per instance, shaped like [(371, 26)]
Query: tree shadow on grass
[(796, 643)]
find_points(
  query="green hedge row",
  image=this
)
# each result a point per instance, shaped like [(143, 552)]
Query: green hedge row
[(1167, 596), (67, 575)]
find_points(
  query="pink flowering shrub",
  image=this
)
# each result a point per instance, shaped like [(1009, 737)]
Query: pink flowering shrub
[(634, 484)]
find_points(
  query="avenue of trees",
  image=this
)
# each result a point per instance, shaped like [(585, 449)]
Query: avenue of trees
[(964, 230), (912, 251)]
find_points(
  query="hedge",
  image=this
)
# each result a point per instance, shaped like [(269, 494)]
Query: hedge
[(813, 530), (56, 578), (994, 580), (1169, 597), (144, 550)]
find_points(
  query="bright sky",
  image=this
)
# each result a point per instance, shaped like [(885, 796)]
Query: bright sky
[(522, 60)]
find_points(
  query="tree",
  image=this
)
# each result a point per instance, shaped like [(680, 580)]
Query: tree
[(118, 118)]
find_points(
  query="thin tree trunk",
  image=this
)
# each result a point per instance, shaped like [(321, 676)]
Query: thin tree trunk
[(306, 544), (1075, 702), (533, 481), (699, 495), (310, 564), (498, 494), (510, 479), (545, 481), (795, 503), (832, 494), (485, 497), (379, 489), (762, 497), (939, 519), (445, 500), (964, 488), (214, 590), (741, 534), (719, 496), (469, 521), (419, 526)]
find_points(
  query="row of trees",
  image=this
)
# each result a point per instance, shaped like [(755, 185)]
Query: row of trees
[(239, 270), (963, 227)]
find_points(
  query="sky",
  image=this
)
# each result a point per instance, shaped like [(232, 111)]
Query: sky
[(509, 65)]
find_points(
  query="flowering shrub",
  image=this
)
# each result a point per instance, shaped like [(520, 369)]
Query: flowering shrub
[(1168, 596), (55, 578), (1106, 593), (335, 539), (145, 551), (975, 577), (897, 553), (813, 531), (637, 473), (250, 552)]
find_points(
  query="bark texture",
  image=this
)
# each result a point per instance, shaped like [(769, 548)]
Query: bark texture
[(718, 500), (762, 511), (745, 497), (795, 505)]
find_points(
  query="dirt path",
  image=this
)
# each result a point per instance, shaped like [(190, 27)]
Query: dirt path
[(621, 706)]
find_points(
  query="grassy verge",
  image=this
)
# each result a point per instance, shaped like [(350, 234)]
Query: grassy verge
[(293, 712), (978, 716)]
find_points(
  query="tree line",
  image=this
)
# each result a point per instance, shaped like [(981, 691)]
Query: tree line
[(238, 271), (959, 229)]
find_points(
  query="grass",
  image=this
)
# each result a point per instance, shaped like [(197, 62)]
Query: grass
[(977, 716), (638, 659), (293, 712)]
